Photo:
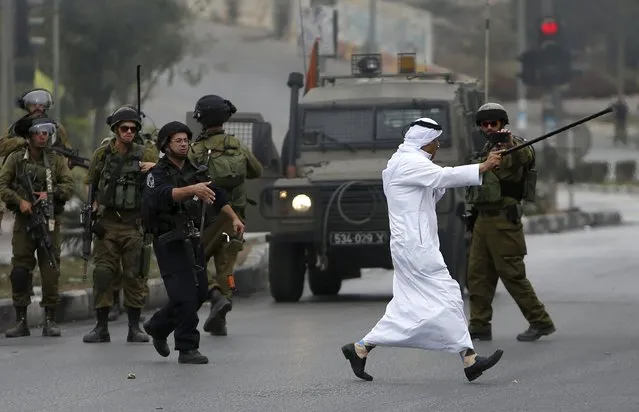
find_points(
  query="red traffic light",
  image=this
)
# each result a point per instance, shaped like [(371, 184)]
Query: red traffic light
[(549, 27)]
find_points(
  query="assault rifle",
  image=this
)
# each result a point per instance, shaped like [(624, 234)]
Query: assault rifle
[(73, 155), (38, 226)]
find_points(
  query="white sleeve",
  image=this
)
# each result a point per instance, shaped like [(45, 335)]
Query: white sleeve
[(428, 174)]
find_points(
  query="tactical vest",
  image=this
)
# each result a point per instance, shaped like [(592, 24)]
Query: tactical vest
[(43, 181), (190, 209), (493, 190), (226, 162), (121, 179)]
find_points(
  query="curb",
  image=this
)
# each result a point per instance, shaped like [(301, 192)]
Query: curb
[(602, 188), (572, 220), (77, 305)]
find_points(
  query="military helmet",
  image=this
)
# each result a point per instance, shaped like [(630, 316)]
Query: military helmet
[(124, 113), (213, 110), (35, 96), (491, 111), (169, 130), (43, 124)]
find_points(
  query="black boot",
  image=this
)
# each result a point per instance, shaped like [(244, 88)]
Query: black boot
[(21, 329), (485, 335), (357, 364), (532, 334), (114, 313), (50, 328), (100, 333), (215, 324), (482, 364), (161, 346), (193, 357), (135, 333)]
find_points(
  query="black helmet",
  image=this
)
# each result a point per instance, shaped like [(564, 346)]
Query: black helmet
[(212, 110), (169, 130), (491, 111), (124, 113), (35, 96)]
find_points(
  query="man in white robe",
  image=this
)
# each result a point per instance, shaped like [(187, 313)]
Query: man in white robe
[(427, 309)]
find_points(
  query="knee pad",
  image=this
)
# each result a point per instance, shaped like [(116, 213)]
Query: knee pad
[(102, 278), (20, 280)]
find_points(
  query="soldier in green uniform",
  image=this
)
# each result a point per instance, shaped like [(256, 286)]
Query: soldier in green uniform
[(229, 163), (117, 172), (52, 183), (116, 310), (498, 246)]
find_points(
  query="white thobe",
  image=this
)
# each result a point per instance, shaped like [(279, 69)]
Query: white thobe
[(427, 310)]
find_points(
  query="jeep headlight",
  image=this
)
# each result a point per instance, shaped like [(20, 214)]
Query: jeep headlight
[(301, 203)]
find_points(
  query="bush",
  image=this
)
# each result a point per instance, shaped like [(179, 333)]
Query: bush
[(591, 172), (625, 171)]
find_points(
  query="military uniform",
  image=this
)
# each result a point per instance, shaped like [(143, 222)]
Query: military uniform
[(498, 245), (229, 163), (59, 189), (118, 181)]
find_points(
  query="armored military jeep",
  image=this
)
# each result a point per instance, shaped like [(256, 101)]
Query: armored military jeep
[(328, 212)]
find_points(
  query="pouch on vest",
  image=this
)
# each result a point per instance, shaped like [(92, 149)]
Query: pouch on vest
[(488, 192), (227, 164), (530, 185)]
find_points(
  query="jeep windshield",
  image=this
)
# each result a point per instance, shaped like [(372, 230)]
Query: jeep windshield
[(365, 128)]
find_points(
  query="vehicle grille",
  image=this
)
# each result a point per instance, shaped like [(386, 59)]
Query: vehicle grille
[(357, 204)]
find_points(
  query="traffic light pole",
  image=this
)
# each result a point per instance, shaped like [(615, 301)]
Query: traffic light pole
[(522, 115), (550, 107), (7, 63)]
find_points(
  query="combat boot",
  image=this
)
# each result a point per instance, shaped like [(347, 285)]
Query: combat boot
[(135, 333), (534, 333), (193, 357), (215, 324), (114, 313), (50, 328), (21, 329), (99, 334)]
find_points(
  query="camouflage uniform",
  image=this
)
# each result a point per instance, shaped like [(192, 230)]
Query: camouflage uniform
[(23, 262), (498, 248), (230, 164), (120, 247)]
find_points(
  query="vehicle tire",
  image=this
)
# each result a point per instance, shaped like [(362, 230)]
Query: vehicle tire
[(286, 270)]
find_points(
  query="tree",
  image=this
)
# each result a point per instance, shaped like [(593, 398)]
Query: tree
[(102, 41)]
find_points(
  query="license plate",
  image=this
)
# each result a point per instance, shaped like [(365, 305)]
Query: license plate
[(358, 238)]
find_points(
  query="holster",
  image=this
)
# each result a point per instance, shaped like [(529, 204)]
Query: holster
[(514, 213), (470, 218), (145, 256)]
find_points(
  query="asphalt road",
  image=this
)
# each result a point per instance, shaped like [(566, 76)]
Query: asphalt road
[(286, 357)]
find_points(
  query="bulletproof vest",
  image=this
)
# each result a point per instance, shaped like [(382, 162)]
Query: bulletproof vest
[(43, 179), (493, 190), (189, 210), (226, 163), (120, 179)]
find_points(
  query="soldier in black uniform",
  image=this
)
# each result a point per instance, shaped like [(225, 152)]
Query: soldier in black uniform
[(172, 212)]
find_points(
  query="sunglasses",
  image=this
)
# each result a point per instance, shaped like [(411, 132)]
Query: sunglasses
[(125, 129), (491, 123)]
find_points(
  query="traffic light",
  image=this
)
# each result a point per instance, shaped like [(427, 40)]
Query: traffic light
[(529, 73), (554, 61)]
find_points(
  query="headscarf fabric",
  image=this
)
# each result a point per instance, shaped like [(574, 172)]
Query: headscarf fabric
[(422, 132)]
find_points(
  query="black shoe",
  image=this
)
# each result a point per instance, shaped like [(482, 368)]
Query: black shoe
[(532, 334), (357, 364), (192, 357), (21, 329), (161, 346), (50, 328), (482, 364), (135, 334), (482, 336)]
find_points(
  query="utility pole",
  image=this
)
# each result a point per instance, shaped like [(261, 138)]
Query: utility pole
[(549, 115), (7, 63), (56, 59), (522, 116), (371, 40), (487, 52)]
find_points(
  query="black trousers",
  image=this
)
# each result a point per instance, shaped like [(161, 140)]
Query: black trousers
[(187, 288)]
